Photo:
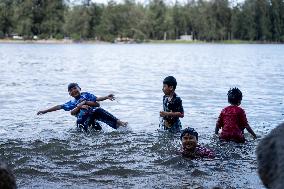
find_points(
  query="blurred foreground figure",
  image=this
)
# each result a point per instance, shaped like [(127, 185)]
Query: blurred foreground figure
[(270, 158), (7, 179)]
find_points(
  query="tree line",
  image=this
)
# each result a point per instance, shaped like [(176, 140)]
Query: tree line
[(214, 20)]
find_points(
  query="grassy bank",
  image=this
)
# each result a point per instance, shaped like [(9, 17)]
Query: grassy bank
[(213, 42)]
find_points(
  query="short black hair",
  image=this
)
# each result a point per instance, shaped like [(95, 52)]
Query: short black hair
[(190, 131), (170, 81), (235, 96), (71, 85)]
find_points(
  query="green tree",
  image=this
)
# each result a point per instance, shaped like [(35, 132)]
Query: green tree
[(6, 14), (24, 18), (157, 19), (262, 20), (52, 24), (277, 20)]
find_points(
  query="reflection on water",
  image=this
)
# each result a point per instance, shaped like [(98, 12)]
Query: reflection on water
[(47, 152)]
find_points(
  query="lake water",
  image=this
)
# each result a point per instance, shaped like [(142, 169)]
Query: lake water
[(48, 152)]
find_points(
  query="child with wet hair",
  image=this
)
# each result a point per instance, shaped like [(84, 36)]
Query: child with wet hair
[(232, 119), (190, 147), (86, 108), (172, 106)]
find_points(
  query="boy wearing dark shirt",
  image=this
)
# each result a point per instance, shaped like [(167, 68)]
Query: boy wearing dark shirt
[(172, 106)]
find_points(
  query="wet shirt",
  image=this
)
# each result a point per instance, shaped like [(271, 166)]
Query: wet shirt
[(199, 152), (232, 120), (173, 105), (70, 105)]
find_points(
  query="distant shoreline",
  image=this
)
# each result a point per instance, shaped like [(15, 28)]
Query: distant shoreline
[(51, 41), (69, 41), (210, 42)]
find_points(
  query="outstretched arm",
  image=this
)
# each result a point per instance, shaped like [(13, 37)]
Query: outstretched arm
[(110, 97), (54, 108)]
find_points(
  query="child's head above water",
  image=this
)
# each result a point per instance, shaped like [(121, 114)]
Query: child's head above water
[(170, 81), (74, 90), (189, 139), (72, 85), (169, 85), (235, 96)]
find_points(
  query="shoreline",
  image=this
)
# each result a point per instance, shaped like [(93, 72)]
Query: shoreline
[(69, 41), (50, 41)]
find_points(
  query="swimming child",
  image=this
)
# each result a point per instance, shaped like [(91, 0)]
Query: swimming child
[(232, 119), (172, 106), (190, 147), (86, 108)]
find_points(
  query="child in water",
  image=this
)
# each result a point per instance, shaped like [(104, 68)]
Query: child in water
[(190, 147), (232, 119), (172, 106), (86, 108)]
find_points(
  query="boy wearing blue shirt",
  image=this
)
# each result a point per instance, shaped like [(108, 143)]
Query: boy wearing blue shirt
[(86, 108), (172, 106)]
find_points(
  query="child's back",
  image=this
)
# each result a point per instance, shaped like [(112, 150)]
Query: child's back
[(232, 119)]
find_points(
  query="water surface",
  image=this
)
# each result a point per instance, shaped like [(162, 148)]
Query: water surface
[(47, 151)]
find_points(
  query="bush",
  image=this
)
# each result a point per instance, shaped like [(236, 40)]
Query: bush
[(1, 35), (76, 37), (139, 36), (59, 36), (282, 39)]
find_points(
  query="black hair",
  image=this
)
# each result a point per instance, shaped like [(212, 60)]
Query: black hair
[(71, 85), (170, 81), (190, 131), (234, 96)]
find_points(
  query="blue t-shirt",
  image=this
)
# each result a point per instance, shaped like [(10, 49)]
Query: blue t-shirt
[(70, 105)]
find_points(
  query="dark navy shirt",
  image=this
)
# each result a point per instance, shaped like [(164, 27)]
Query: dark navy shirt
[(70, 105), (174, 105)]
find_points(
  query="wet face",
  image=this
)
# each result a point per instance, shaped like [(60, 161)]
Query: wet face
[(189, 142), (167, 89), (75, 92)]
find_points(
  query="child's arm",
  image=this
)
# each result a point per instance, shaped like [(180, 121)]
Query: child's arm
[(216, 130), (179, 110), (219, 123), (54, 108), (110, 97), (81, 105), (84, 105), (92, 103), (249, 129), (171, 114), (244, 121)]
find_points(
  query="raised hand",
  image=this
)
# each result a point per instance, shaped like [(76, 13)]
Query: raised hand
[(111, 97)]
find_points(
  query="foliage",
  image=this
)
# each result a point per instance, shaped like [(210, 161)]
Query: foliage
[(215, 20)]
